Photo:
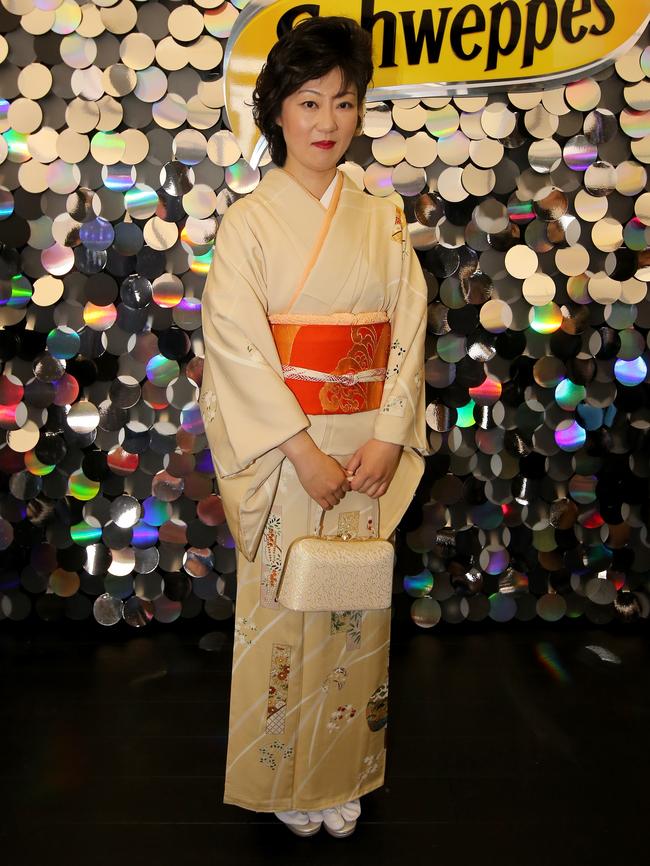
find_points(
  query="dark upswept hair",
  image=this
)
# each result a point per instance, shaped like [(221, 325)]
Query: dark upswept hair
[(310, 50)]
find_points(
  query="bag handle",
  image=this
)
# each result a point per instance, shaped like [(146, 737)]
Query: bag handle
[(320, 526)]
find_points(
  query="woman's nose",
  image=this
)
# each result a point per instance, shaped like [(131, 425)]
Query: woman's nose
[(326, 118)]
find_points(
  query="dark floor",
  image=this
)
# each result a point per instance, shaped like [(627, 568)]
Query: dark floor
[(507, 744)]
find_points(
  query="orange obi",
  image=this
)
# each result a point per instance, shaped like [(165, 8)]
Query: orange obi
[(334, 364)]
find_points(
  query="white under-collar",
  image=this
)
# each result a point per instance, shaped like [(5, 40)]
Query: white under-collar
[(329, 192)]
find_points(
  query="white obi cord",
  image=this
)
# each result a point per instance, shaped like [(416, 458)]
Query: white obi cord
[(378, 374)]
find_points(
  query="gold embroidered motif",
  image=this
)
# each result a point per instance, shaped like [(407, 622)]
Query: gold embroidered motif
[(348, 523), (400, 229), (208, 405), (352, 398)]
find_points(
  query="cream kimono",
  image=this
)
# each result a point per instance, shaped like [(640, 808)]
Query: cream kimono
[(308, 705)]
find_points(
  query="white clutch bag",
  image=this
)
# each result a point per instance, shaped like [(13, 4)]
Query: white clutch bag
[(337, 572)]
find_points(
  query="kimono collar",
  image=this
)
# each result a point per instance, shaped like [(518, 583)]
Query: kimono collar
[(275, 182)]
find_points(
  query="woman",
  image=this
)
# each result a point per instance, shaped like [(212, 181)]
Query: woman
[(311, 273)]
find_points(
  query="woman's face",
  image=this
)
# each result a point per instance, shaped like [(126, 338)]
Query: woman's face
[(315, 114)]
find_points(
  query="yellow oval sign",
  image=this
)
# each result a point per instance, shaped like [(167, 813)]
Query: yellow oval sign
[(453, 48)]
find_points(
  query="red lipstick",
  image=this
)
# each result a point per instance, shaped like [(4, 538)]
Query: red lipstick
[(325, 145)]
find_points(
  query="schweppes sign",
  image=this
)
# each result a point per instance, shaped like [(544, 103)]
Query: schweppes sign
[(446, 48)]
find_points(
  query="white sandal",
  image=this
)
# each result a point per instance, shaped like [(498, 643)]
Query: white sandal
[(341, 820), (300, 823)]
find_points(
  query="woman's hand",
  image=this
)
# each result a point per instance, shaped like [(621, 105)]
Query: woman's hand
[(373, 467), (323, 477)]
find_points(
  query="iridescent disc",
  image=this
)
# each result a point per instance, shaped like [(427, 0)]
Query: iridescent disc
[(583, 95), (635, 235), (520, 211), (631, 178), (568, 395), (579, 153), (453, 149), (141, 201), (636, 124), (409, 181), (119, 177), (545, 319), (99, 318), (82, 488), (521, 261), (600, 126), (6, 203), (544, 155), (487, 393), (378, 180), (63, 342), (378, 120), (570, 436), (57, 260), (220, 21), (161, 371), (590, 207), (538, 289), (151, 84), (241, 178), (390, 149), (442, 121), (603, 289), (222, 148), (631, 373), (97, 234), (190, 147), (497, 120), (137, 50)]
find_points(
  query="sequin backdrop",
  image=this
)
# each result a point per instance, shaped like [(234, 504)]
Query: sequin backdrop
[(531, 217)]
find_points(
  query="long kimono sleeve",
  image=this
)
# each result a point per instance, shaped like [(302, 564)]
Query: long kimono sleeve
[(401, 417), (247, 408)]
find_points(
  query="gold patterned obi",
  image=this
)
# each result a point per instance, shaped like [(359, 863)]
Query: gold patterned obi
[(334, 364)]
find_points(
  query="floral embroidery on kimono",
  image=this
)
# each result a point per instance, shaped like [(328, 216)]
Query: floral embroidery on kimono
[(395, 406), (208, 405), (266, 753), (371, 763), (244, 629), (400, 230), (347, 712), (337, 676), (394, 359), (276, 708), (271, 559)]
